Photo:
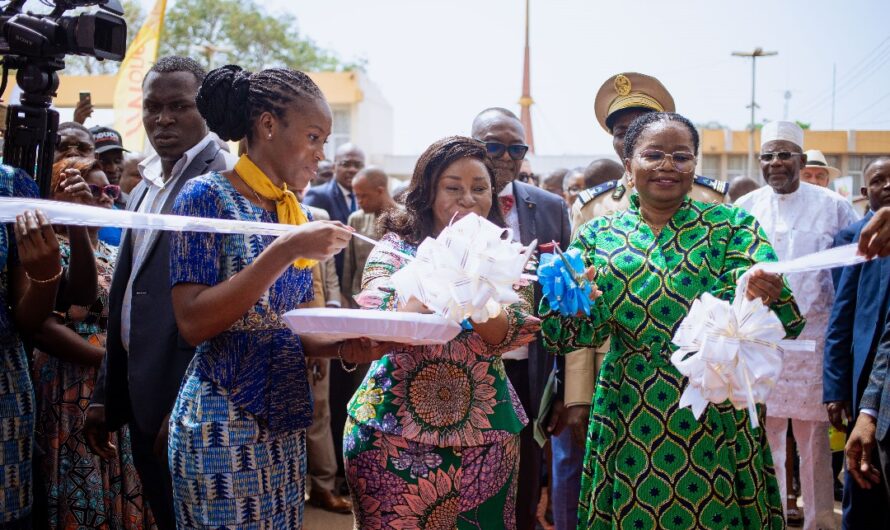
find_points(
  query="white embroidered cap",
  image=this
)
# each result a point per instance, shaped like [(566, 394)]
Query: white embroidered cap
[(781, 130)]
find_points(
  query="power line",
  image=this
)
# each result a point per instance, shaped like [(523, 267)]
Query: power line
[(864, 69), (852, 72), (868, 107)]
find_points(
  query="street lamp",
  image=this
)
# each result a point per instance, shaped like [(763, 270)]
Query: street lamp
[(758, 52)]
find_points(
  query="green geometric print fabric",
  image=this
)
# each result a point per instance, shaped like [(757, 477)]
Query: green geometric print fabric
[(650, 464)]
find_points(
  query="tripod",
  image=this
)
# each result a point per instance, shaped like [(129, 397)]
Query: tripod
[(32, 126)]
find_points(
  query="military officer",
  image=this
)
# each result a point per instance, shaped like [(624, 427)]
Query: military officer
[(620, 100)]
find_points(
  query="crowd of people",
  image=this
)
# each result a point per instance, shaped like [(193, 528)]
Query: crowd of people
[(149, 380)]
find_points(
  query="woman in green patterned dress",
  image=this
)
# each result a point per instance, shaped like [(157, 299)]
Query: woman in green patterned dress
[(649, 463)]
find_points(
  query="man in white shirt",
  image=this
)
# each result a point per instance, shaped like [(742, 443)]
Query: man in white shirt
[(145, 356), (800, 219)]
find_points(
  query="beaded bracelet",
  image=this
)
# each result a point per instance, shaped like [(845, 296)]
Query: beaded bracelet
[(343, 363), (48, 280)]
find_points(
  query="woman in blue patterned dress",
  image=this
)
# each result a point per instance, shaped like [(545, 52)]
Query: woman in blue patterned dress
[(237, 430), (31, 270)]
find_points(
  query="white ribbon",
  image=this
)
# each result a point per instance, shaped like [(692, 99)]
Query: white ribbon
[(468, 271), (734, 351), (66, 213)]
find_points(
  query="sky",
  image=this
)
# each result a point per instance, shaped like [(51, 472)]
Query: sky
[(439, 62)]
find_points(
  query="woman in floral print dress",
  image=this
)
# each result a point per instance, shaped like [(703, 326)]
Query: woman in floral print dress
[(432, 436)]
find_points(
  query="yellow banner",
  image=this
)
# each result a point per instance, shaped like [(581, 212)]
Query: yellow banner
[(141, 55)]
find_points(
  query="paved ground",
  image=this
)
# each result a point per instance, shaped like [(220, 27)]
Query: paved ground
[(315, 519)]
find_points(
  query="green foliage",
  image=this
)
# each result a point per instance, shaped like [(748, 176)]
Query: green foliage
[(217, 32)]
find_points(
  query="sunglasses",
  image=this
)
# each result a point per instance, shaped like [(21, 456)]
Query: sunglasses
[(496, 150), (112, 190), (781, 155)]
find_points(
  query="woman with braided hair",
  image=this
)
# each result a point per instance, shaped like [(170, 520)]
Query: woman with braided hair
[(237, 430)]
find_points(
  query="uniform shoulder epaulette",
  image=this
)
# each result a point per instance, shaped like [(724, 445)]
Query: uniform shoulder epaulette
[(592, 193), (720, 186)]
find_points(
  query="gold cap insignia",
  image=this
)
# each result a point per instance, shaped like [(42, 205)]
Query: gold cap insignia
[(622, 85)]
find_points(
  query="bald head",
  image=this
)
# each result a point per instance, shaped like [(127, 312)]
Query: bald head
[(602, 171), (348, 160), (500, 126), (741, 186), (484, 118), (371, 189)]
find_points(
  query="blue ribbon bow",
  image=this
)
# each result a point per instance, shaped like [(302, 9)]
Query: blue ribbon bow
[(558, 283)]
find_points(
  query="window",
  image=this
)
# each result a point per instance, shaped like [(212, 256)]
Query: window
[(710, 166), (341, 131), (854, 168), (736, 166)]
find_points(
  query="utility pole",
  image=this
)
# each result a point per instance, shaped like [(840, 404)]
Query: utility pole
[(833, 91), (787, 104), (758, 52), (525, 102)]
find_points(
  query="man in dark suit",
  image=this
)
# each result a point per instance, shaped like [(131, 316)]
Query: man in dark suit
[(336, 198), (872, 426), (145, 357), (532, 213), (861, 307)]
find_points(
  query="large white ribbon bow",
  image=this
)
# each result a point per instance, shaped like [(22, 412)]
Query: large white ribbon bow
[(468, 271), (730, 352)]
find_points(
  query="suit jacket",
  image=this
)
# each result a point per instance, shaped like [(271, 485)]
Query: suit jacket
[(356, 253), (327, 280), (141, 385), (844, 237), (330, 198), (877, 393), (854, 327), (542, 216)]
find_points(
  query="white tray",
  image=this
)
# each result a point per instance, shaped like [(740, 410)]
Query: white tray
[(339, 324)]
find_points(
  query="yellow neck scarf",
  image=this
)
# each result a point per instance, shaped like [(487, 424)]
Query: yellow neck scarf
[(286, 205)]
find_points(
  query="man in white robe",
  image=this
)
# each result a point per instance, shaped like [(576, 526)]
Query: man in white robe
[(800, 219)]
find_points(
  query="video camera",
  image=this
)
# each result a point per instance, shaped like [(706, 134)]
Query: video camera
[(35, 45)]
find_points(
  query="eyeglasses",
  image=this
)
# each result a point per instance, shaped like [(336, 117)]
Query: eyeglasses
[(112, 190), (682, 161), (781, 155), (496, 150)]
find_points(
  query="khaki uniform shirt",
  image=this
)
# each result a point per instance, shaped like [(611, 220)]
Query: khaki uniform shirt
[(356, 253)]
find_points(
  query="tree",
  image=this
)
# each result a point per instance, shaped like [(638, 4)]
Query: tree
[(217, 32), (76, 64)]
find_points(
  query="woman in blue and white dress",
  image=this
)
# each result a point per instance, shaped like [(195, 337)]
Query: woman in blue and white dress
[(237, 432)]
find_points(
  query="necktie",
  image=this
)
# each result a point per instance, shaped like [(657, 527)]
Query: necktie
[(507, 202), (351, 202)]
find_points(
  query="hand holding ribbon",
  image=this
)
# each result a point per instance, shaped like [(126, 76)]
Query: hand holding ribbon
[(567, 291), (468, 271)]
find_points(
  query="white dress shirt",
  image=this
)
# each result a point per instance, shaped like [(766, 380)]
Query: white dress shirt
[(153, 202), (512, 219)]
